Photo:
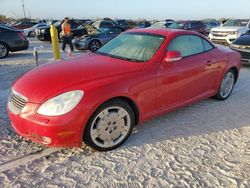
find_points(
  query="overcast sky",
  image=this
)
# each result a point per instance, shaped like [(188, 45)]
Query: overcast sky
[(134, 9)]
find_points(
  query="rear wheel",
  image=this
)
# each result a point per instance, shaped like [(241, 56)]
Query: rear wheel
[(109, 126), (226, 86), (4, 50), (94, 45), (31, 34)]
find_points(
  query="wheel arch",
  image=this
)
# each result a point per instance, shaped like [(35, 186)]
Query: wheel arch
[(1, 42), (94, 39), (236, 72), (132, 104), (126, 99)]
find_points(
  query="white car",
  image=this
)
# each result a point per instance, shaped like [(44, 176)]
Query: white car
[(29, 31), (229, 31)]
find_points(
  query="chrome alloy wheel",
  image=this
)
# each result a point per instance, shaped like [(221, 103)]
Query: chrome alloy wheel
[(110, 127), (3, 50), (227, 84)]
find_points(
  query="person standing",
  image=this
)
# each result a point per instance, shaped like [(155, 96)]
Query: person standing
[(66, 34)]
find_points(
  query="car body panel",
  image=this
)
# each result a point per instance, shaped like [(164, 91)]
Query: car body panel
[(155, 87), (11, 37)]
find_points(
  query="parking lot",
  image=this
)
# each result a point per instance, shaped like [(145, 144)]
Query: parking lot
[(203, 145)]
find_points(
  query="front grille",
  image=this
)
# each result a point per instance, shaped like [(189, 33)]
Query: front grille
[(245, 55), (219, 41), (16, 102), (220, 33)]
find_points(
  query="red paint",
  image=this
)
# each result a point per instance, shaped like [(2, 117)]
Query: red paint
[(156, 87)]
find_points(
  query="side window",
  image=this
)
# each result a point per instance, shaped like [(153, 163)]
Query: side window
[(187, 45), (207, 45)]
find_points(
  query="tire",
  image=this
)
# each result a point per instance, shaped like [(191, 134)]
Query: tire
[(226, 86), (94, 45), (4, 50), (30, 34), (109, 126)]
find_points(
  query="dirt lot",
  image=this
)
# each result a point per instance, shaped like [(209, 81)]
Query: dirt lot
[(204, 145)]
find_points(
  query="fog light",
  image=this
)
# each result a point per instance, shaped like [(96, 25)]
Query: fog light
[(46, 140)]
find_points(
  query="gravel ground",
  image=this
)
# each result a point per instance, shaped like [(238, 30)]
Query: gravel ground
[(203, 145)]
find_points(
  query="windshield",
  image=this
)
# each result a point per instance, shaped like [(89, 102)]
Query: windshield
[(139, 47), (241, 23)]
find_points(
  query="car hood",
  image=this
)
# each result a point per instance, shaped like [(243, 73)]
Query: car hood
[(243, 40), (43, 27), (227, 28), (50, 79)]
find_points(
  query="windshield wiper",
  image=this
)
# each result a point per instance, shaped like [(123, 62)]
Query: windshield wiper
[(126, 58), (119, 57)]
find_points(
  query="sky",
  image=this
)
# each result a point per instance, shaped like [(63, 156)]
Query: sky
[(127, 9)]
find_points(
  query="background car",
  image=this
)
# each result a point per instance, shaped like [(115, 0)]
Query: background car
[(144, 24), (106, 23), (95, 38), (43, 33), (193, 25), (29, 32), (11, 40), (229, 31), (23, 25), (211, 24), (166, 24), (242, 45), (123, 24)]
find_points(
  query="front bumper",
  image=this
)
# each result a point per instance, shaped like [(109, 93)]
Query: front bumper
[(60, 131), (245, 54), (226, 40)]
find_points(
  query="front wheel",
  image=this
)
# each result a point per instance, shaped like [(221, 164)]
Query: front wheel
[(227, 85), (109, 126), (94, 45)]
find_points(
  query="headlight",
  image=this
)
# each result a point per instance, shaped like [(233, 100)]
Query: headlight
[(42, 30), (61, 104)]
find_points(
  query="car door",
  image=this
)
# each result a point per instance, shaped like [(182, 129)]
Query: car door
[(187, 79)]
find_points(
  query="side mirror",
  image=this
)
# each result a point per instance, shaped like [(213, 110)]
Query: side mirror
[(172, 56)]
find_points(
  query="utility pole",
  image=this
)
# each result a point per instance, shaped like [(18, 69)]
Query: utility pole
[(23, 9)]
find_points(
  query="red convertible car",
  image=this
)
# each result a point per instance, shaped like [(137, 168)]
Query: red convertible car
[(98, 97)]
